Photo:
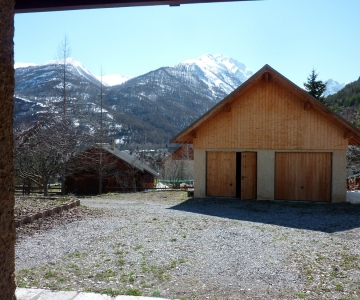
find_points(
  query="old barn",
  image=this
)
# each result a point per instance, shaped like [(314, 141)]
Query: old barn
[(120, 172), (270, 139)]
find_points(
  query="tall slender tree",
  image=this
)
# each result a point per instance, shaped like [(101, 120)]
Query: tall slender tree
[(63, 53), (101, 138), (315, 87)]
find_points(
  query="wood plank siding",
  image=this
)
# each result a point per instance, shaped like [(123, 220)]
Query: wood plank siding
[(269, 116), (303, 176), (221, 174)]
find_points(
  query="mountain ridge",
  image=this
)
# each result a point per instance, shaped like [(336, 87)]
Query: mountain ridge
[(151, 107)]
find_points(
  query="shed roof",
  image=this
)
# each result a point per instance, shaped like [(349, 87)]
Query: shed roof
[(351, 132), (130, 159)]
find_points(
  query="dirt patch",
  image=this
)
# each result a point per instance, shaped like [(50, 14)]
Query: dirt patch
[(25, 206)]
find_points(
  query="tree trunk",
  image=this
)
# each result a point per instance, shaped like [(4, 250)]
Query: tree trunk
[(45, 187), (7, 202), (63, 179)]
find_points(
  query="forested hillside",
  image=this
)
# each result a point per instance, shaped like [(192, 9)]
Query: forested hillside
[(349, 96)]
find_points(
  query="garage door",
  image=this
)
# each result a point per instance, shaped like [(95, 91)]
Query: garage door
[(221, 174), (303, 176)]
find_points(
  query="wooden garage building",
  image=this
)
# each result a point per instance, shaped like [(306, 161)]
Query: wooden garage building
[(270, 139)]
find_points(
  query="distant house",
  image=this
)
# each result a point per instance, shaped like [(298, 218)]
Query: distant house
[(270, 139), (179, 165), (181, 152), (119, 170)]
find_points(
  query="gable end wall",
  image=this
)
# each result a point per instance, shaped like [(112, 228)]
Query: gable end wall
[(270, 116)]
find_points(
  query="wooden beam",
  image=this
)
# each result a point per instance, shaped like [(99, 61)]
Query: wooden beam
[(192, 134), (227, 107), (348, 135), (307, 105), (267, 76), (25, 6)]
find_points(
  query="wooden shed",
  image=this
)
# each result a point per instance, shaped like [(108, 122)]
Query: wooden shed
[(121, 172), (270, 139)]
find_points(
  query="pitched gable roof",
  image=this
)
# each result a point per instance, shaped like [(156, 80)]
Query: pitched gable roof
[(351, 132), (131, 160)]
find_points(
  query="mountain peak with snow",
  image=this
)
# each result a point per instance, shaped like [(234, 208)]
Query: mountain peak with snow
[(113, 79), (18, 65), (333, 87), (218, 71)]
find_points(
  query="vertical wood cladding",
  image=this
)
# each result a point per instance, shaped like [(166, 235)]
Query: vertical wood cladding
[(269, 116), (248, 175), (303, 176)]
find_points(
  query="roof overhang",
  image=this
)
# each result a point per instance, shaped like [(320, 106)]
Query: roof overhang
[(351, 132), (24, 6)]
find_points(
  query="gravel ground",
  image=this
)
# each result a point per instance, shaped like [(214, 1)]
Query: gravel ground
[(164, 244)]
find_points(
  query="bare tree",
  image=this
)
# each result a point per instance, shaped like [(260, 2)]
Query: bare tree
[(179, 168), (45, 145), (63, 53), (37, 158), (101, 163), (65, 131), (129, 177)]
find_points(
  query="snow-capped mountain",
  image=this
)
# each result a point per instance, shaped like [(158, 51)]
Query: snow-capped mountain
[(42, 82), (55, 68), (113, 79), (23, 65), (333, 87), (152, 107), (218, 71)]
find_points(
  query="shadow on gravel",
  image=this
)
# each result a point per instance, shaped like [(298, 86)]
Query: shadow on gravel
[(326, 217)]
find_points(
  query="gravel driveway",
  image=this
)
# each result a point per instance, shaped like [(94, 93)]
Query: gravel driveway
[(164, 244)]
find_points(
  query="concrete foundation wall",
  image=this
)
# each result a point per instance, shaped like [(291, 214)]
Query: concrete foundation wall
[(266, 173)]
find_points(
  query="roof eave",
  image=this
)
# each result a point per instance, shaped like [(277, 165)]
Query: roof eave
[(28, 6)]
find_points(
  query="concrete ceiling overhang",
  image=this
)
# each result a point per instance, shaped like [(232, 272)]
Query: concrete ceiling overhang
[(23, 6)]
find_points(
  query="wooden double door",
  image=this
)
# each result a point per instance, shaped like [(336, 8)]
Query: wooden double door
[(231, 174), (303, 176)]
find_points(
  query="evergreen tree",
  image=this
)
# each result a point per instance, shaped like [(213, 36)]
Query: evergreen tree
[(315, 87)]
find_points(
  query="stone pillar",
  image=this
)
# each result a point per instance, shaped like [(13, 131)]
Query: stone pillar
[(7, 228), (199, 173), (338, 178), (265, 174)]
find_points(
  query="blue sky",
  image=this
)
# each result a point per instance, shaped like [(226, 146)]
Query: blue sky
[(292, 36)]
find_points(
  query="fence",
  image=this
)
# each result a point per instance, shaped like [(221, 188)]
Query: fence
[(28, 190)]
